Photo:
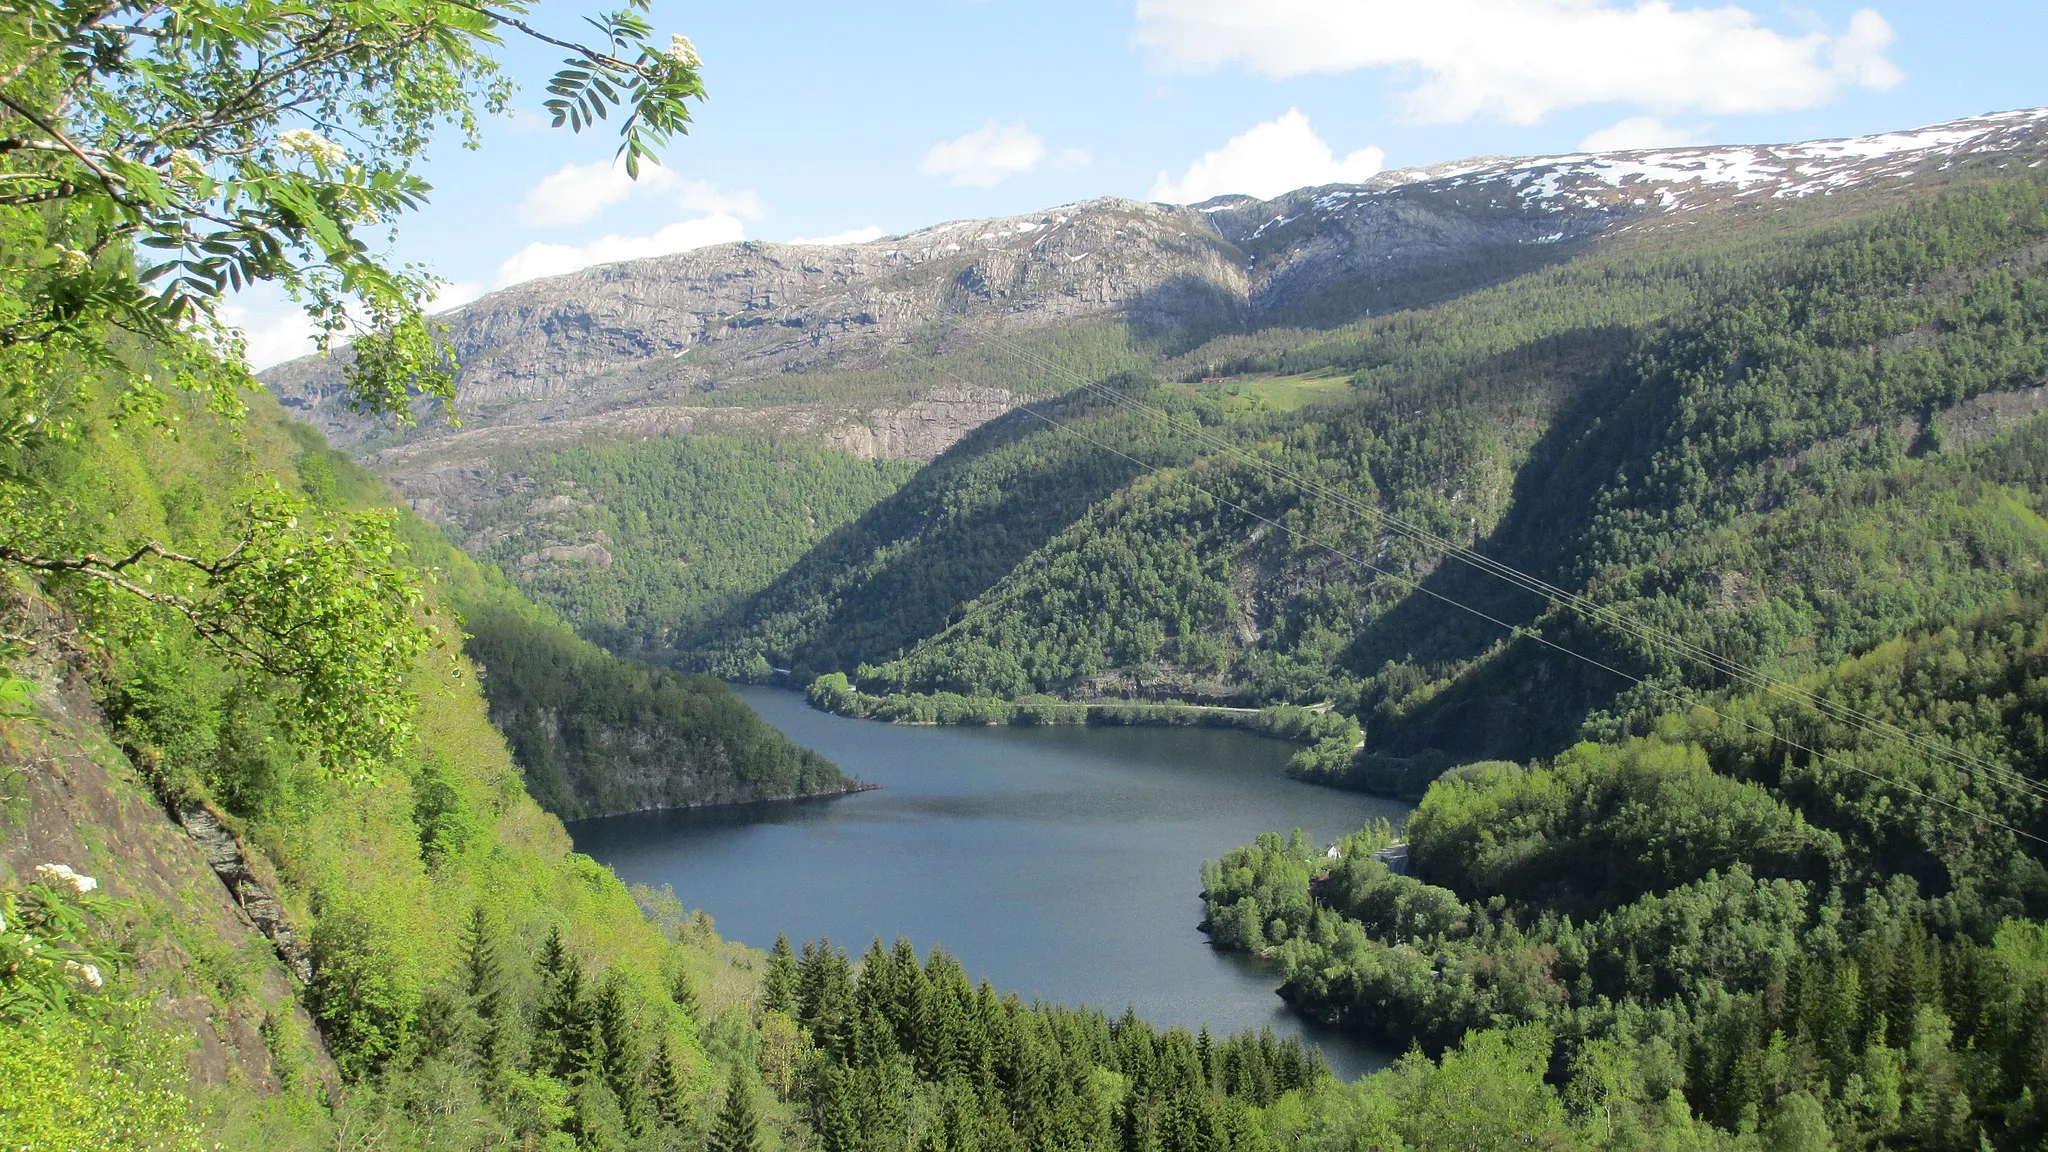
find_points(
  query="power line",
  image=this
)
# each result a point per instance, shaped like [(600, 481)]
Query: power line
[(1602, 613), (1504, 571)]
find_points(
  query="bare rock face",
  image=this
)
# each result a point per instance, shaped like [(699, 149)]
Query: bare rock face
[(649, 333), (924, 429), (76, 799)]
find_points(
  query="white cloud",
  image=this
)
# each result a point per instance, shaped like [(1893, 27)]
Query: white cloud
[(454, 295), (850, 236), (986, 156), (1275, 157), (274, 329), (273, 338), (537, 260), (575, 192), (1640, 132), (1521, 59), (1857, 56)]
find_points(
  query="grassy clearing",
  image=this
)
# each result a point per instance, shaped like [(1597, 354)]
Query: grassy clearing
[(1287, 393)]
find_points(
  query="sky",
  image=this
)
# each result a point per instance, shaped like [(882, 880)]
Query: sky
[(852, 121)]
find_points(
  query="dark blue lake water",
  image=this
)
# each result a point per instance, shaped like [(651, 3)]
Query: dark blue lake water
[(1062, 863)]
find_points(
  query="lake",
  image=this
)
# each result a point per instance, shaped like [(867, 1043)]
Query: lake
[(1061, 863)]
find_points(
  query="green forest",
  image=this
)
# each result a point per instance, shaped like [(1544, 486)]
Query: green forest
[(1750, 915), (900, 571), (1739, 438), (593, 734), (690, 527)]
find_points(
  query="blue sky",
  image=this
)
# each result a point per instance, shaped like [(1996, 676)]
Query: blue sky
[(829, 119)]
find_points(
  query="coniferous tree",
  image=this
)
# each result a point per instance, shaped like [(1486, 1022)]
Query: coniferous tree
[(684, 993), (484, 982), (736, 1129), (479, 955), (833, 1113), (554, 952), (615, 1053), (909, 993), (561, 1024), (779, 990), (1132, 1131), (665, 1085), (809, 980)]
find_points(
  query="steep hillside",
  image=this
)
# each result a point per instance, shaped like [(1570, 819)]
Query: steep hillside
[(643, 543), (593, 734), (1754, 432), (329, 946), (1466, 319), (905, 569)]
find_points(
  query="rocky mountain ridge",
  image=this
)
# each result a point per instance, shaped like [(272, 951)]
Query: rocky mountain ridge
[(672, 344)]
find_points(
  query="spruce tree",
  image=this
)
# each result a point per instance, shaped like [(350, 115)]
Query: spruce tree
[(833, 1113), (1133, 1134), (479, 954), (552, 953), (665, 1086), (616, 1052), (736, 1129), (684, 993), (484, 981), (809, 991), (560, 1024), (910, 986)]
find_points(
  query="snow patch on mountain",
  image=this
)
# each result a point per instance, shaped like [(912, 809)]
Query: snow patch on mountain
[(1672, 178)]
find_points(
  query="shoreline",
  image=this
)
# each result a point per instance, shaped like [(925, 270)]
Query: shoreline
[(1326, 733), (854, 787)]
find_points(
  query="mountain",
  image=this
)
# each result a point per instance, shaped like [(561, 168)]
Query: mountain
[(1777, 441), (593, 735), (1692, 382), (761, 334), (215, 940)]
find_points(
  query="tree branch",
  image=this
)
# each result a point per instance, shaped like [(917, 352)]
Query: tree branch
[(215, 627), (59, 191), (84, 155), (570, 46)]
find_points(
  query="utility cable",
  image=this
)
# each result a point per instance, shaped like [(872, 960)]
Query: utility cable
[(1614, 617), (1418, 586)]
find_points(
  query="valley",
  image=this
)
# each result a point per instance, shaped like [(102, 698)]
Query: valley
[(1165, 516), (1574, 626)]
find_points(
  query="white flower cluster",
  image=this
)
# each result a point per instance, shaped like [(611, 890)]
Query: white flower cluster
[(302, 141), (38, 950), (90, 973), (683, 52), (74, 262), (63, 874), (186, 168)]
